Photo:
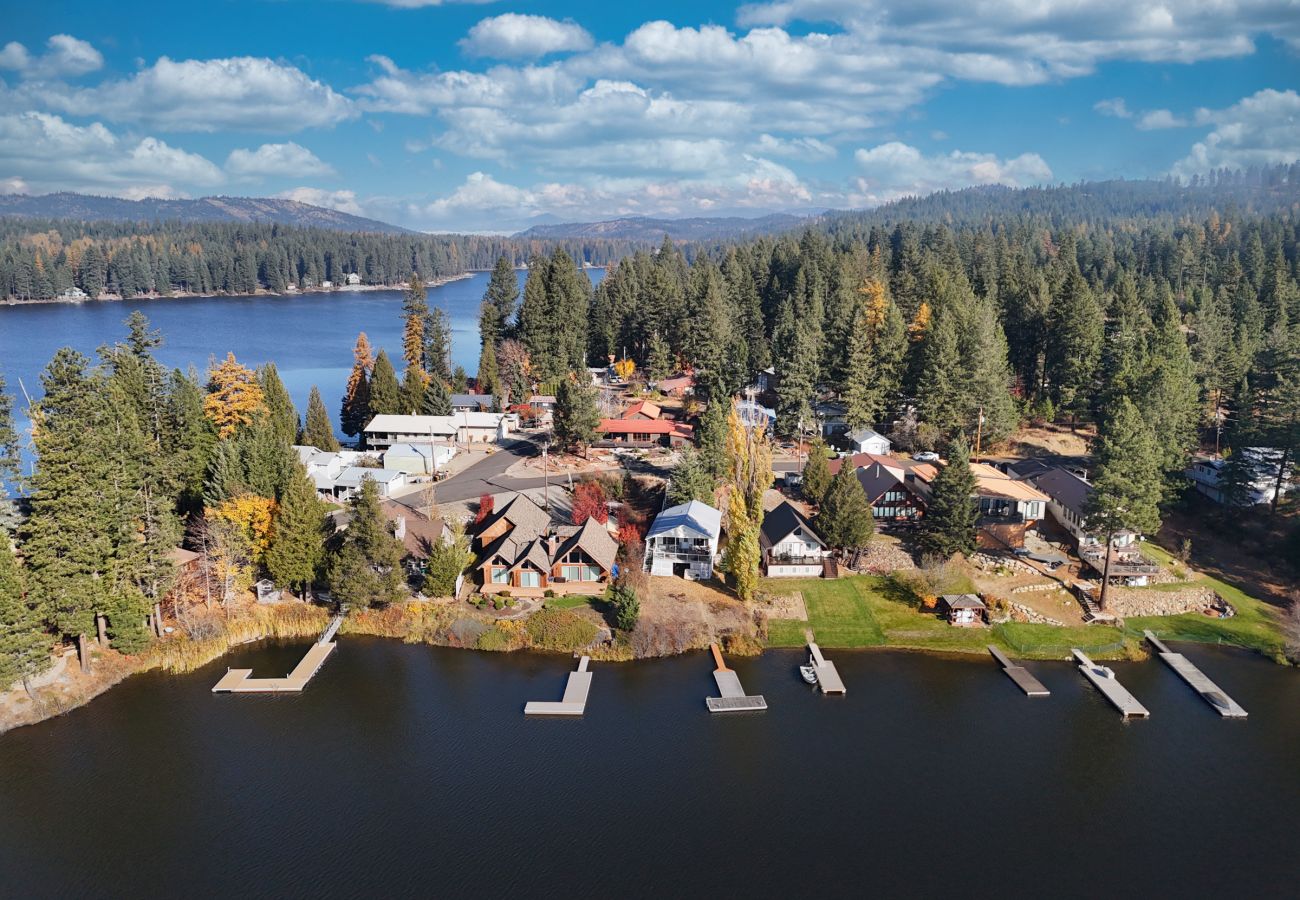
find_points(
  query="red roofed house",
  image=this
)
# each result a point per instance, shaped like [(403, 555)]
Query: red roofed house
[(643, 425)]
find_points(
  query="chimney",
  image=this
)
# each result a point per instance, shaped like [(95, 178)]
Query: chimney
[(552, 544), (400, 531)]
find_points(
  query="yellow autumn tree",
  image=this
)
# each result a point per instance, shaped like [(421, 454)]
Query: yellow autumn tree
[(624, 368), (234, 396), (749, 462), (876, 304), (920, 323), (252, 515)]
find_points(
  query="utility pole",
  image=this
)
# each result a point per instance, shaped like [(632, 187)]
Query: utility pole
[(546, 481), (979, 432)]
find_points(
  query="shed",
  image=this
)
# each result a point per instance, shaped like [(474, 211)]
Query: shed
[(964, 610)]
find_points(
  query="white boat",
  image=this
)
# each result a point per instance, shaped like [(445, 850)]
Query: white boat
[(808, 673)]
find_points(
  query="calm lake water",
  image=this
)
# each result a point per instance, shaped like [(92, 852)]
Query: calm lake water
[(406, 770), (308, 336)]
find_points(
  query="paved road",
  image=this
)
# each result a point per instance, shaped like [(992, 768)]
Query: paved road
[(488, 475)]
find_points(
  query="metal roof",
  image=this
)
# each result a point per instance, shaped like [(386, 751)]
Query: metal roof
[(695, 516)]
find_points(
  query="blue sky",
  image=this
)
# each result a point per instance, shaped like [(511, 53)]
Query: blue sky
[(477, 116)]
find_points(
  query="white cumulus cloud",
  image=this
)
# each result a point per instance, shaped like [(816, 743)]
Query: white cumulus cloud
[(343, 201), (64, 56), (517, 36), (288, 159), (893, 170), (1260, 130)]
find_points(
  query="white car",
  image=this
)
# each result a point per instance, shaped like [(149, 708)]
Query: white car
[(926, 456)]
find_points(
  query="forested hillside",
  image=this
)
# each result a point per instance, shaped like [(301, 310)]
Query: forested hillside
[(41, 259)]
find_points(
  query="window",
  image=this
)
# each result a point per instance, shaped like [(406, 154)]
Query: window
[(571, 573), (593, 573), (500, 575), (530, 579)]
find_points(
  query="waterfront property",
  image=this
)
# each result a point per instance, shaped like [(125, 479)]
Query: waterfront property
[(964, 610), (790, 546), (1008, 507), (521, 552), (465, 428), (683, 540)]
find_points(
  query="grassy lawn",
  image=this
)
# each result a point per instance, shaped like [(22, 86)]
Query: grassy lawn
[(857, 612), (1254, 626), (571, 602)]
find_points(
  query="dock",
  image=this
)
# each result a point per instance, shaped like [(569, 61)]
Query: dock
[(240, 681), (1020, 675), (734, 698), (1210, 692), (1104, 680), (828, 677), (574, 701)]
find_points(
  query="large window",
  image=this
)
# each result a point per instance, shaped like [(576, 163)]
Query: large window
[(530, 579), (500, 575)]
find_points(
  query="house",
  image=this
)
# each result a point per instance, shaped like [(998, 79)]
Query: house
[(347, 483), (353, 278), (1206, 473), (641, 411), (755, 415), (520, 552), (1067, 504), (418, 459), (964, 610), (473, 402), (417, 531), (543, 403), (1008, 508), (327, 284), (831, 415), (643, 433), (790, 546), (1026, 469), (865, 440), (677, 386), (683, 540), (74, 294), (463, 427), (884, 481), (766, 380), (337, 476)]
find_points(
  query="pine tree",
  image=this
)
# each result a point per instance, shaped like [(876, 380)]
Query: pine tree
[(1075, 331), (659, 362), (436, 400), (795, 355), (298, 534), (950, 519), (711, 438), (1167, 393), (413, 390), (691, 480), (24, 646), (385, 392), (9, 459), (1126, 478), (318, 431), (488, 380), (817, 473), (447, 560), (437, 344), (845, 519), (367, 570), (877, 341), (356, 414), (498, 307), (284, 417), (576, 414)]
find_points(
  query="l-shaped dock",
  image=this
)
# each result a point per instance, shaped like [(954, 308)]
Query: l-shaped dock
[(734, 698), (1104, 680), (1020, 675), (574, 701), (1210, 692), (828, 677), (239, 681)]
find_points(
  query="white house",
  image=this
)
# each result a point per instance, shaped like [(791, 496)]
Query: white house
[(684, 541), (418, 459), (1206, 474), (865, 440), (790, 547), (353, 278), (337, 476), (463, 428)]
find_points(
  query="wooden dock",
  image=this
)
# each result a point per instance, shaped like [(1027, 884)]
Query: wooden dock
[(574, 702), (239, 681), (734, 698), (1104, 680), (828, 677), (1210, 692), (1020, 675)]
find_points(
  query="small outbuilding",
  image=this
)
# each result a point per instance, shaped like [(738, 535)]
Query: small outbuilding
[(964, 610), (867, 440)]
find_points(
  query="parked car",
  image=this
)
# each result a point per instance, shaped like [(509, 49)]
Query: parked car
[(926, 456)]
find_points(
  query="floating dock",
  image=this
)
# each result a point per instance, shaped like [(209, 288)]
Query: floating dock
[(239, 681), (1210, 692), (1104, 680), (828, 677), (734, 698), (574, 702), (1020, 675)]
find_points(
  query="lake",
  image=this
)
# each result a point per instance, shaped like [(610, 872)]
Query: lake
[(308, 336), (406, 769)]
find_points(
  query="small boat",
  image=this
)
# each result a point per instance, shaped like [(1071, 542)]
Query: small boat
[(808, 674)]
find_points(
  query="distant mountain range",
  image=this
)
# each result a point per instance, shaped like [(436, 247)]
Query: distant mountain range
[(641, 228), (206, 209)]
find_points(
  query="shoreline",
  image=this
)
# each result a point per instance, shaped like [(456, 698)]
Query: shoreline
[(438, 282), (298, 621)]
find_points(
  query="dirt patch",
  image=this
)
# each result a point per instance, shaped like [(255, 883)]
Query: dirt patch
[(1050, 440), (679, 615), (1236, 551), (784, 606)]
